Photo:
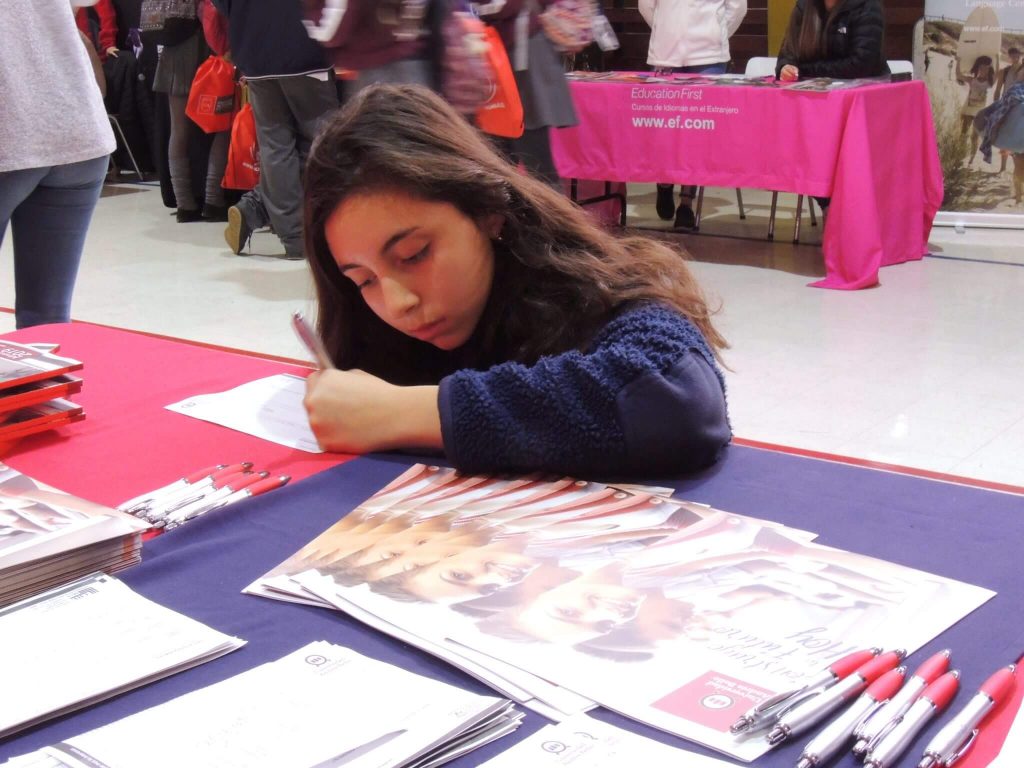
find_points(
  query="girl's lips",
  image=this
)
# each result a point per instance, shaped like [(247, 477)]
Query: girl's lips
[(426, 331)]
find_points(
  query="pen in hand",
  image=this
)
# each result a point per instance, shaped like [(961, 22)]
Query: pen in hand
[(311, 341)]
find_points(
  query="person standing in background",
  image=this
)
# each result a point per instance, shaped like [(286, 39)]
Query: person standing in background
[(55, 144), (382, 41), (692, 37), (540, 78), (106, 37), (291, 89)]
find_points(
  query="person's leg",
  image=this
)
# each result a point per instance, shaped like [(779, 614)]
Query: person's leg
[(533, 150), (1018, 176), (177, 160), (278, 132), (15, 187), (685, 217), (48, 230), (250, 213), (311, 101), (213, 205)]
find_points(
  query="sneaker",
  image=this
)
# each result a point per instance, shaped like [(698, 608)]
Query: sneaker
[(666, 204), (685, 218), (238, 231)]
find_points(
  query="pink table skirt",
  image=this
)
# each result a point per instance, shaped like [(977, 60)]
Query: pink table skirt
[(871, 149)]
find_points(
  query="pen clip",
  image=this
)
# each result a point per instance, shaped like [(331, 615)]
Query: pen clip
[(962, 750), (877, 739)]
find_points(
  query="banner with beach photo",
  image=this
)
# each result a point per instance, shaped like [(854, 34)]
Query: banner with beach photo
[(970, 56)]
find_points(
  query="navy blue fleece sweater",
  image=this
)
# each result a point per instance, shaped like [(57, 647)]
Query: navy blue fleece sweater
[(645, 398)]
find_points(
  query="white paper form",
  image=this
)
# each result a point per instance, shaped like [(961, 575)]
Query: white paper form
[(322, 705), (269, 408), (97, 638), (583, 742)]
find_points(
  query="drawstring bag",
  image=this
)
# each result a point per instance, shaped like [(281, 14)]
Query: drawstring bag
[(502, 113), (167, 22), (569, 24), (243, 168), (211, 100), (467, 77)]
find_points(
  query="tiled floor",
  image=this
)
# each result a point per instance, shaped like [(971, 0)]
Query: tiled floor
[(925, 371)]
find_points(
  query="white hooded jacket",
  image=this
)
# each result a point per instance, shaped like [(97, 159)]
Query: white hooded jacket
[(686, 33)]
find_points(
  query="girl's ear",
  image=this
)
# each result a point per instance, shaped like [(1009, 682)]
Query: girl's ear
[(492, 224)]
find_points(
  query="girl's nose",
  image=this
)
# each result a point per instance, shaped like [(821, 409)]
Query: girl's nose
[(398, 298)]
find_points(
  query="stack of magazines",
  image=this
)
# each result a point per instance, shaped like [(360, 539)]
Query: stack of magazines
[(562, 593), (321, 705), (48, 537), (34, 387)]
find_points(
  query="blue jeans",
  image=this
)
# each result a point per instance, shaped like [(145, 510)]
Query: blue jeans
[(49, 210), (699, 69)]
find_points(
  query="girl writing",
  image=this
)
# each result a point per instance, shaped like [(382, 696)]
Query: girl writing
[(475, 310)]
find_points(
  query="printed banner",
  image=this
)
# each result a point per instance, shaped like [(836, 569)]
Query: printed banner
[(970, 59)]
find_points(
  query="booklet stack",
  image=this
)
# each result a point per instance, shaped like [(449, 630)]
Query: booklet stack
[(87, 641), (321, 705), (34, 386), (48, 537), (562, 593)]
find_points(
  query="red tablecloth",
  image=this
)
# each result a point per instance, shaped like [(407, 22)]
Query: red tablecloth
[(871, 149), (129, 443)]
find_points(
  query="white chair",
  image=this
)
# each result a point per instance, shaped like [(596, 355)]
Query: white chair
[(898, 66), (763, 66), (758, 66)]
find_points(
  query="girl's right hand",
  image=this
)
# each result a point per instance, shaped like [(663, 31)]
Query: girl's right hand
[(789, 73)]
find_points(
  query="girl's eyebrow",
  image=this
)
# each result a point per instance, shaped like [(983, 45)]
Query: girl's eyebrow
[(390, 243)]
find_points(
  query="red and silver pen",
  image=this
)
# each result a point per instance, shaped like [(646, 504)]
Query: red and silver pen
[(161, 506), (868, 731), (267, 484), (956, 736), (894, 742), (766, 712), (178, 484), (220, 490), (837, 733), (813, 710)]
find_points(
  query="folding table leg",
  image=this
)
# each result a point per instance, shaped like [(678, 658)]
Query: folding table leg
[(739, 203), (799, 216), (700, 207), (771, 216)]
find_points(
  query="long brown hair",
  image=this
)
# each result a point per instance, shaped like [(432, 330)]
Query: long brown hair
[(806, 38), (558, 276)]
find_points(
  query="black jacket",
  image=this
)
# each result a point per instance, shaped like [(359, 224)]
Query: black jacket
[(268, 38), (855, 43)]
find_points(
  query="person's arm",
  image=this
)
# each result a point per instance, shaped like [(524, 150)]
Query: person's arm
[(866, 32), (355, 412), (495, 11), (108, 28), (735, 10), (787, 54), (329, 22), (643, 401), (1000, 81)]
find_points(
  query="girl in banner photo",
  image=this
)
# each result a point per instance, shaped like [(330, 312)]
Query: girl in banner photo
[(979, 82), (474, 310)]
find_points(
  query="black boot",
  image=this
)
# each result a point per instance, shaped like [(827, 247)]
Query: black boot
[(666, 204)]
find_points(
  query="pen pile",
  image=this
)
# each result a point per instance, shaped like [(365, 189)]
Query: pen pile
[(883, 714), (201, 492)]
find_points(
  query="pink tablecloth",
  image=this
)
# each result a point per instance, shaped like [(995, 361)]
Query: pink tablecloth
[(871, 149)]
